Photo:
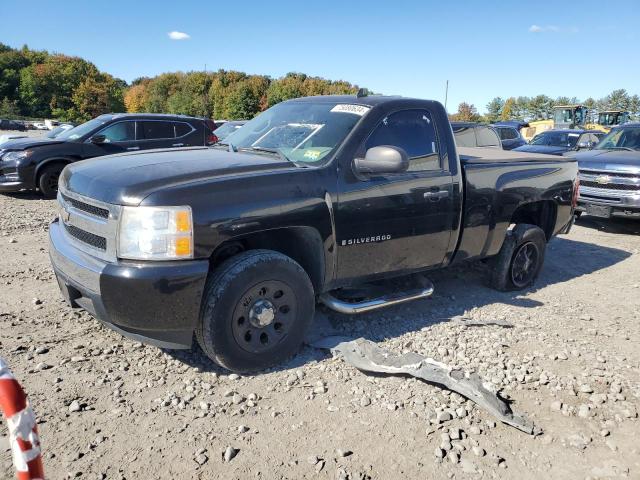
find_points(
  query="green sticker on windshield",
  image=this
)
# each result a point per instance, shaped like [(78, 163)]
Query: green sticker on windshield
[(312, 154)]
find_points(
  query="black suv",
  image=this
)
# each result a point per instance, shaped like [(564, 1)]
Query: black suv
[(36, 163), (12, 125)]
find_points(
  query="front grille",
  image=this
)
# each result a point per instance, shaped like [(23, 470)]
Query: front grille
[(613, 174), (85, 207), (609, 186), (96, 241)]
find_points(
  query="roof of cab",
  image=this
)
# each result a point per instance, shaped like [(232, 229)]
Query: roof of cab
[(369, 100)]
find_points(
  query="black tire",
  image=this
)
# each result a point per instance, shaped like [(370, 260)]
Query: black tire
[(520, 259), (48, 180), (232, 334)]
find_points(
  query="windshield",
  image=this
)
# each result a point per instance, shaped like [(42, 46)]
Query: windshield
[(556, 139), (225, 130), (303, 132), (608, 119), (81, 130), (563, 115), (621, 138)]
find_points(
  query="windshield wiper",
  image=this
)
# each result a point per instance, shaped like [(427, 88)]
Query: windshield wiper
[(271, 150), (629, 149), (228, 145)]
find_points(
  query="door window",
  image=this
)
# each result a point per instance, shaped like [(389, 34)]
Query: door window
[(119, 132), (182, 129), (414, 132), (507, 134), (157, 130)]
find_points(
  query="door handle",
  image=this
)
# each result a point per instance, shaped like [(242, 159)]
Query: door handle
[(178, 145), (133, 148), (434, 196)]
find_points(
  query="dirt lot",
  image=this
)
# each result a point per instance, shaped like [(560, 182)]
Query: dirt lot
[(112, 408)]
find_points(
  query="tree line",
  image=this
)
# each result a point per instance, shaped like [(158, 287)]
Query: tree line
[(224, 94), (39, 84), (541, 107)]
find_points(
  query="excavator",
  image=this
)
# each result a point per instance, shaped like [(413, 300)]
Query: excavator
[(564, 116), (609, 119)]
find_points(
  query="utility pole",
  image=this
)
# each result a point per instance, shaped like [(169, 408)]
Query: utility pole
[(205, 94), (446, 96)]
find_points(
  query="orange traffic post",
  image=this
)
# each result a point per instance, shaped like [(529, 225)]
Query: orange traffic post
[(23, 432)]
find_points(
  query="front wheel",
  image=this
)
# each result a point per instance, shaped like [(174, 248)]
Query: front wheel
[(48, 180), (520, 259), (256, 309)]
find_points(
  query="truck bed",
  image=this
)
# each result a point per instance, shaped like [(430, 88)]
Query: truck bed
[(497, 182), (475, 155)]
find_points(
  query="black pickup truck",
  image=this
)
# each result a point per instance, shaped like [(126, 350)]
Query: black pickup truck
[(312, 201)]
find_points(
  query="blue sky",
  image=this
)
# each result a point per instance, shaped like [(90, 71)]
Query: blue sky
[(484, 48)]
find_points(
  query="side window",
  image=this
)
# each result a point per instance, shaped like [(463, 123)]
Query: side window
[(487, 137), (182, 128), (119, 132), (508, 134), (156, 130), (414, 132)]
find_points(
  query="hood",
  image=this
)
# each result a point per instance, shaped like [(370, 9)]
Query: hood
[(126, 179), (28, 142), (548, 149), (609, 160)]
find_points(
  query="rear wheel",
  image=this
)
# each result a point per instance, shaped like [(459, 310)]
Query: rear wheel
[(256, 309), (48, 180), (520, 259)]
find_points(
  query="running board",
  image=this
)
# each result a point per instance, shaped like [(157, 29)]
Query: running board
[(351, 308)]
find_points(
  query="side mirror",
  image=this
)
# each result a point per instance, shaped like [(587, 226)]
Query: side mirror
[(587, 145), (382, 159), (98, 139)]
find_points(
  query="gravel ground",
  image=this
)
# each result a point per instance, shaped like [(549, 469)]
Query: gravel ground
[(112, 408)]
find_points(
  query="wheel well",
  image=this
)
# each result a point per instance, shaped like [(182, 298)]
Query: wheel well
[(542, 214), (57, 161), (303, 244)]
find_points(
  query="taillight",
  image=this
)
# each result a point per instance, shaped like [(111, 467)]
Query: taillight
[(576, 188), (211, 139)]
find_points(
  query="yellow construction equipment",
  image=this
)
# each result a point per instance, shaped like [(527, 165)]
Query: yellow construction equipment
[(609, 119), (564, 116)]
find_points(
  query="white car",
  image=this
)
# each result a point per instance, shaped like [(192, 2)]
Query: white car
[(40, 126)]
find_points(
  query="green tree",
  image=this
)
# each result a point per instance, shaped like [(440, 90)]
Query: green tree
[(97, 94), (494, 109), (9, 108), (540, 107), (509, 109), (466, 113), (241, 102)]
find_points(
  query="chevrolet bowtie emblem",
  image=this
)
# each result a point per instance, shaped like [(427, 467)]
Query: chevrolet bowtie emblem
[(603, 179)]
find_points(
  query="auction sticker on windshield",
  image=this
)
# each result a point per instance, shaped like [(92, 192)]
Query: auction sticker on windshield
[(355, 109)]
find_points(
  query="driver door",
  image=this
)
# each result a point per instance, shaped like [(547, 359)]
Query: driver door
[(401, 221), (119, 137)]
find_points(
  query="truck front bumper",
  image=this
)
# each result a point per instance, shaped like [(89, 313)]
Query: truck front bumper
[(153, 302)]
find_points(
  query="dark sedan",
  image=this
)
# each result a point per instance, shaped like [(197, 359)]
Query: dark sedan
[(558, 142)]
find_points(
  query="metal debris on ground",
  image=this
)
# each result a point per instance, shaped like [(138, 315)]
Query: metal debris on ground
[(369, 357), (472, 322)]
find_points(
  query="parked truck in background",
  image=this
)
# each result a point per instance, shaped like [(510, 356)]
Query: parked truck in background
[(610, 175), (235, 244)]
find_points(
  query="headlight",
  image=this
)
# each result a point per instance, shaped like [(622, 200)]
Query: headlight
[(155, 233), (14, 156)]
